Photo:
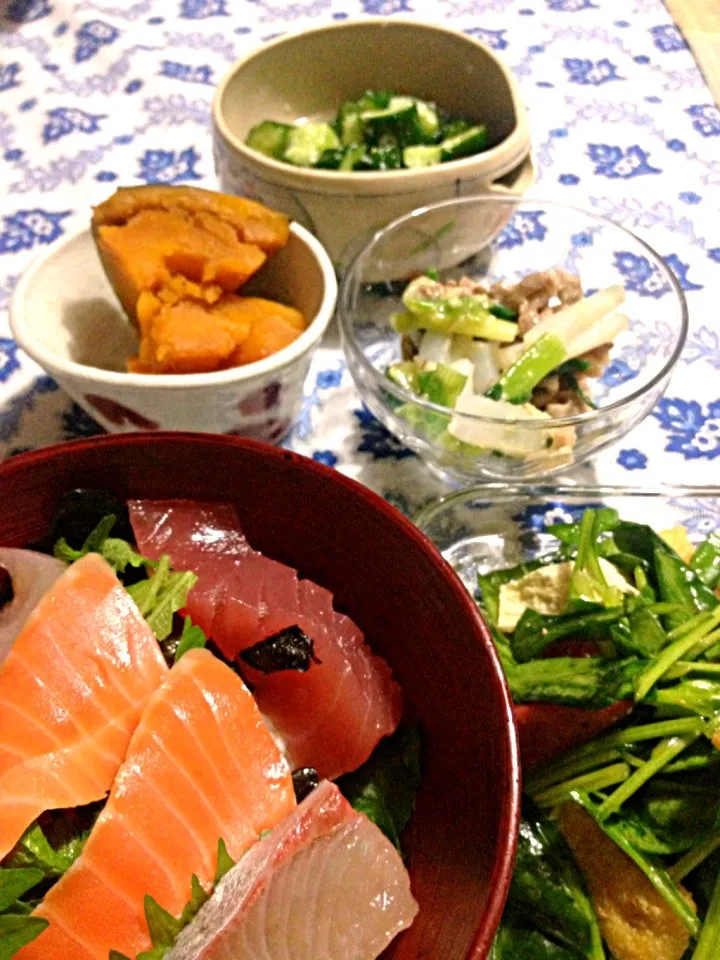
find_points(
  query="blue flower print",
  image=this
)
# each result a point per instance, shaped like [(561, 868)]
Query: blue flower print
[(523, 226), (495, 39), (571, 6), (539, 516), (617, 372), (680, 270), (703, 344), (714, 254), (568, 179), (167, 166), (618, 164), (691, 432), (12, 411), (201, 9), (689, 197), (702, 514), (186, 72), (706, 119), (584, 239), (64, 120), (9, 73), (632, 459), (640, 275), (91, 37), (9, 362), (385, 8), (325, 456), (76, 424), (590, 73), (677, 145), (377, 440), (22, 230), (668, 38), (326, 379), (25, 11)]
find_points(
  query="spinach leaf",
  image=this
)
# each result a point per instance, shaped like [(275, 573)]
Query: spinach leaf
[(706, 561), (384, 788), (547, 885), (535, 631), (640, 633), (15, 882), (515, 940), (591, 682), (648, 836), (16, 932), (680, 585)]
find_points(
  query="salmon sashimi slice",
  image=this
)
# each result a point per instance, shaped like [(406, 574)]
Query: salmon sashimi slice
[(72, 690), (201, 766), (325, 883), (330, 716)]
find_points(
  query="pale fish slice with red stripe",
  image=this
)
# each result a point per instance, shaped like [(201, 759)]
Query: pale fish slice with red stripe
[(331, 716), (326, 883), (72, 690), (201, 766)]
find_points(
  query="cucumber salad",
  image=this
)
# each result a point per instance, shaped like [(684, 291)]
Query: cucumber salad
[(380, 131), (611, 648), (516, 353)]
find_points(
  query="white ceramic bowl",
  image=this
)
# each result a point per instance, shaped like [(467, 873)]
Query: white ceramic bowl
[(65, 315), (309, 74)]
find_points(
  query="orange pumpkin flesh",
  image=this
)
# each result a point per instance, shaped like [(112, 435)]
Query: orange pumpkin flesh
[(176, 257)]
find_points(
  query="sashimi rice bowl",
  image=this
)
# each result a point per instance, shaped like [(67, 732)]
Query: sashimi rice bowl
[(200, 755), (503, 338)]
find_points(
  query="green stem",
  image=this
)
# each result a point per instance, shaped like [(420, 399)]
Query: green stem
[(694, 857), (518, 382), (559, 771), (661, 755), (588, 783), (677, 650), (684, 667), (705, 617), (708, 946)]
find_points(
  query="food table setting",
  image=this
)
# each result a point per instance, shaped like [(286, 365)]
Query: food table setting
[(540, 313)]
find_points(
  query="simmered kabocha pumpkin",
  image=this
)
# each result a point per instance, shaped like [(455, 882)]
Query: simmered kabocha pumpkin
[(176, 258)]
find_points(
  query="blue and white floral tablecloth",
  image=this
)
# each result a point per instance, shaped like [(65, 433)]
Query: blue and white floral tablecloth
[(97, 93)]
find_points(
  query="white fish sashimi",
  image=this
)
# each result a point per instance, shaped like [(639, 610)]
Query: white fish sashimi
[(31, 575), (325, 883)]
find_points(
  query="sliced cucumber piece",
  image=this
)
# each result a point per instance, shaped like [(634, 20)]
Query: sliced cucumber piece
[(400, 123), (422, 156), (352, 158), (307, 143), (428, 117), (269, 138), (351, 128), (465, 144)]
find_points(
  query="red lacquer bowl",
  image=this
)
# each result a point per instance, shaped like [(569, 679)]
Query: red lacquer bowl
[(390, 578)]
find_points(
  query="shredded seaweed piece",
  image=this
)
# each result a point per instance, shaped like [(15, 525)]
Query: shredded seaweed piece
[(289, 649), (304, 779)]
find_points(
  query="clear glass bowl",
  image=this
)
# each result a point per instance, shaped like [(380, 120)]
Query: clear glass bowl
[(495, 526), (492, 238)]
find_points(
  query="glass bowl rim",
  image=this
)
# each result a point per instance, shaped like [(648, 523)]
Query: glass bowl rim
[(351, 345), (503, 493)]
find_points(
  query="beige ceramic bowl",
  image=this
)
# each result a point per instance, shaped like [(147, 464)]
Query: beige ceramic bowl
[(65, 315), (309, 74)]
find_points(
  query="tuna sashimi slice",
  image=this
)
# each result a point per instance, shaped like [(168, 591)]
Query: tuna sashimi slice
[(200, 767), (326, 883), (330, 717), (72, 690)]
